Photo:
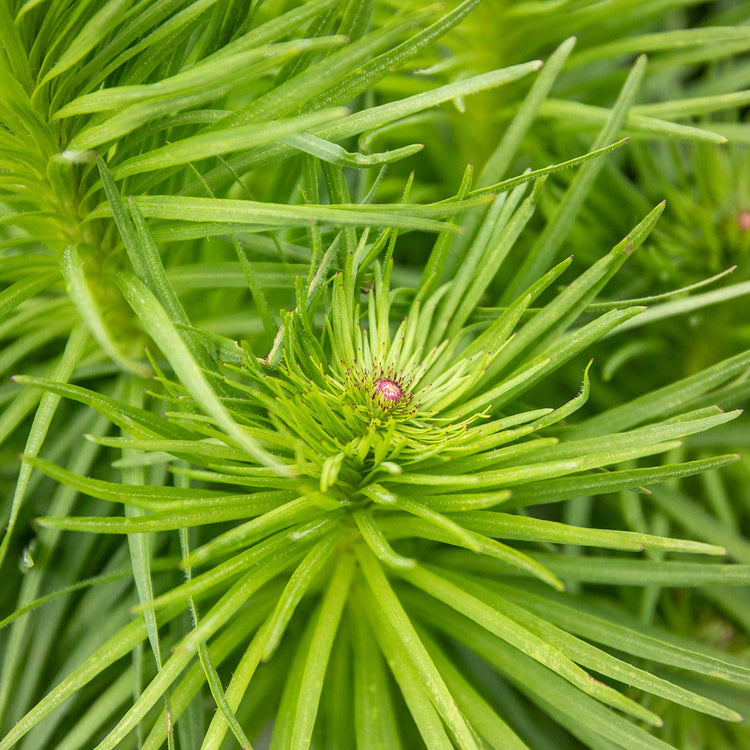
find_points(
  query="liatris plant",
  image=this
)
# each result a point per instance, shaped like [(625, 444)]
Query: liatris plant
[(365, 500), (364, 462), (147, 84)]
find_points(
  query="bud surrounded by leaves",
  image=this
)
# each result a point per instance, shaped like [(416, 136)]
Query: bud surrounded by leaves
[(359, 539), (354, 510)]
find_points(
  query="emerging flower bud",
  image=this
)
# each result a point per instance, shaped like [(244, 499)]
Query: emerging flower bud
[(389, 390)]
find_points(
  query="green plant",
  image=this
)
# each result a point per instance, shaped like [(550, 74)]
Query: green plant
[(369, 437), (371, 539), (121, 79)]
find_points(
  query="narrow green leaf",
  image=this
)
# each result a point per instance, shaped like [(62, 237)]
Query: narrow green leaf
[(556, 490), (96, 28), (169, 520), (184, 651), (624, 572), (396, 526), (117, 575), (671, 429), (636, 124), (378, 116), (594, 658), (542, 253), (663, 40), (375, 720), (691, 515), (377, 542), (74, 350), (294, 512), (231, 568), (115, 648), (399, 621), (24, 289), (162, 330), (217, 691), (218, 142), (523, 474), (686, 306), (365, 76), (616, 629), (335, 154), (136, 421), (72, 268), (219, 649), (535, 679), (139, 545), (245, 212), (538, 648), (478, 711), (296, 588), (664, 401), (694, 106), (414, 688), (313, 674), (501, 157), (568, 305)]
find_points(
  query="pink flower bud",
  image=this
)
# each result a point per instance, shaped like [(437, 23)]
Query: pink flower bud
[(389, 390)]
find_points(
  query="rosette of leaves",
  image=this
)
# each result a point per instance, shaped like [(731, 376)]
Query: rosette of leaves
[(178, 95), (226, 100), (355, 520)]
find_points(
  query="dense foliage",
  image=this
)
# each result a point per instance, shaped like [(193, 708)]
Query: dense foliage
[(304, 446)]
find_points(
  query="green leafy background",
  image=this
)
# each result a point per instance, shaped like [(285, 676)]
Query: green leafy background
[(227, 228)]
